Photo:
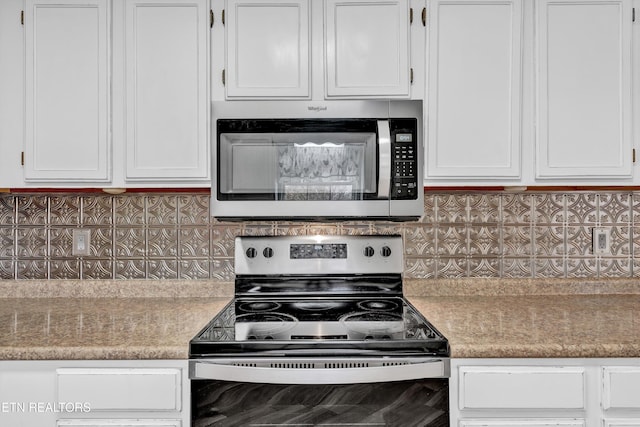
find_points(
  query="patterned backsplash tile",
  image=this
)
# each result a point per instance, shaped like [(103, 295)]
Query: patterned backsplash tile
[(462, 234)]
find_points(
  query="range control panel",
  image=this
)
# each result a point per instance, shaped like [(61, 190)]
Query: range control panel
[(404, 159), (317, 250), (319, 254)]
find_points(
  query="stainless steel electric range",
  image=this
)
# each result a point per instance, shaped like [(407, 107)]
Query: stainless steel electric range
[(319, 333)]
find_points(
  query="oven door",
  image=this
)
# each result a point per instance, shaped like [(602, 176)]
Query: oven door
[(314, 392)]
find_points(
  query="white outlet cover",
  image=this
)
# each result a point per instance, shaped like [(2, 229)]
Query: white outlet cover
[(81, 242), (600, 243)]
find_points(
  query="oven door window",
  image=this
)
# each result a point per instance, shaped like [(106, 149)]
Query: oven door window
[(323, 164), (392, 404)]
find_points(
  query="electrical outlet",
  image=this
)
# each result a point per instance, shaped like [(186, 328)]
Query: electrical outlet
[(600, 241), (81, 242)]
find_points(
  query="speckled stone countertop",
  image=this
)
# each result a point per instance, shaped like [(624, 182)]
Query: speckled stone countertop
[(62, 320), (533, 318)]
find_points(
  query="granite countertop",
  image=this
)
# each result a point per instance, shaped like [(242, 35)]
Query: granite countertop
[(480, 318), (98, 320), (566, 318)]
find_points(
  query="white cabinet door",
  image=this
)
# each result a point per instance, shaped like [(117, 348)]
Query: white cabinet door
[(27, 395), (12, 94), (166, 87), (521, 387), (622, 422), (474, 89), (367, 48), (121, 389), (621, 387), (584, 89), (542, 422), (66, 89), (118, 423), (268, 49), (94, 393)]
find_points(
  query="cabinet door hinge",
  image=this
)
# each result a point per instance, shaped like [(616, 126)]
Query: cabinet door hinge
[(633, 14), (22, 158), (410, 15), (424, 16), (633, 155), (22, 17), (411, 75), (223, 78), (210, 18), (222, 17)]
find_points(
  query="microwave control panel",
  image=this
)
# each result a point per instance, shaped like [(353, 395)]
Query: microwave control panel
[(404, 160)]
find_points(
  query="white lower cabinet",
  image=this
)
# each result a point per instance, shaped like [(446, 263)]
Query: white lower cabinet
[(521, 387), (621, 396), (121, 389), (139, 393), (545, 392), (119, 423), (522, 423), (633, 422), (621, 388)]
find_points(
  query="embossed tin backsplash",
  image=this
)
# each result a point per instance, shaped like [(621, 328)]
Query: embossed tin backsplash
[(462, 234)]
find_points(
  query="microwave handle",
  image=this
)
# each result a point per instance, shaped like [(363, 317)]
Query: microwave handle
[(384, 164)]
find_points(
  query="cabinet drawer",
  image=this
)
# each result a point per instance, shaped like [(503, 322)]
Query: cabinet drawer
[(513, 387), (119, 423), (523, 423), (112, 389), (633, 422), (621, 387)]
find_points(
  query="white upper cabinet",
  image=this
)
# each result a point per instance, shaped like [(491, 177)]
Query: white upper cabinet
[(474, 90), (166, 86), (356, 49), (67, 91), (116, 92), (268, 50), (367, 48), (584, 89)]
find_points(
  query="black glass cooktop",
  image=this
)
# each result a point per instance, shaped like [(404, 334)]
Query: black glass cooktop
[(329, 316), (318, 326)]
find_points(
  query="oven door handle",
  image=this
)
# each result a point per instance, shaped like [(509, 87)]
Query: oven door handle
[(210, 370), (384, 163)]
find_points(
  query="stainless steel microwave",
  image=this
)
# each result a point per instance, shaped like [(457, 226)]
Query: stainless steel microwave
[(317, 160)]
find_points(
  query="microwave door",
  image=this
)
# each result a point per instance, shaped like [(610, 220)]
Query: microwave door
[(279, 168)]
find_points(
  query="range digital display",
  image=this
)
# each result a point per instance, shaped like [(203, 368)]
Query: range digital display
[(318, 250)]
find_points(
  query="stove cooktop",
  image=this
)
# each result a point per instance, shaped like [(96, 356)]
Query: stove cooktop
[(334, 325)]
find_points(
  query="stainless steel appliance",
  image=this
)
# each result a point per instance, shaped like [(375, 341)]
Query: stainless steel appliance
[(333, 159), (319, 333)]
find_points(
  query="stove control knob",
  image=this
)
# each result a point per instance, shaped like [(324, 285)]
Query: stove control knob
[(267, 252), (369, 251), (251, 252), (386, 251)]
